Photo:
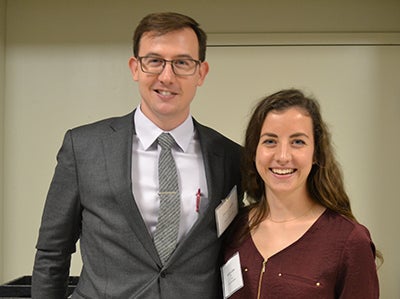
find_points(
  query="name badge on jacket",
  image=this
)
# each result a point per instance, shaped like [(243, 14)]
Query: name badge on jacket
[(226, 211)]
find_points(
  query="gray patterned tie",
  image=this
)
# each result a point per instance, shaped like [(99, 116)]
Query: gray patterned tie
[(166, 234)]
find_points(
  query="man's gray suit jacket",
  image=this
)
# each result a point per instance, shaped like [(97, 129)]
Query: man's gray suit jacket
[(90, 199)]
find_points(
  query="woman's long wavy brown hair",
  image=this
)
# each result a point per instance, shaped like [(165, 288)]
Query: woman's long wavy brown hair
[(325, 181)]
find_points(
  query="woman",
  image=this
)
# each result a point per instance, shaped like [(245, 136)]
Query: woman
[(298, 237)]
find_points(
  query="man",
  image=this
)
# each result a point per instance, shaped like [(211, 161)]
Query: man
[(106, 190)]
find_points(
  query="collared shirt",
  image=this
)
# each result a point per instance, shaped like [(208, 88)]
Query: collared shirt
[(190, 167)]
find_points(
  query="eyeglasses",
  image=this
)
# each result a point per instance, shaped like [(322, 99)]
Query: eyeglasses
[(180, 67)]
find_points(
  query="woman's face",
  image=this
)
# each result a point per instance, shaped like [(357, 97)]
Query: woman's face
[(285, 151)]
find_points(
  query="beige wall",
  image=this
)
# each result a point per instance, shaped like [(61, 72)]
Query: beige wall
[(66, 65), (2, 61)]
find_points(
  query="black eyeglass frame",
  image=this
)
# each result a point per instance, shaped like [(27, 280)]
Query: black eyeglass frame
[(197, 63)]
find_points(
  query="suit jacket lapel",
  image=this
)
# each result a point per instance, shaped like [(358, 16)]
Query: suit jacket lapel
[(213, 162), (214, 168), (118, 155)]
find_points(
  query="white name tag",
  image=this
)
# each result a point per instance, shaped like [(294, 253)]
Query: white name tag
[(226, 211), (232, 278)]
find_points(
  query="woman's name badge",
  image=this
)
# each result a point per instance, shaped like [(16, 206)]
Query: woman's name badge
[(231, 273), (226, 211)]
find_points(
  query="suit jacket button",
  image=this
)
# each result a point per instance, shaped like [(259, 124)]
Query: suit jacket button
[(163, 274)]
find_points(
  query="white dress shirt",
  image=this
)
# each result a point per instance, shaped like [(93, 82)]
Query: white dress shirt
[(190, 168)]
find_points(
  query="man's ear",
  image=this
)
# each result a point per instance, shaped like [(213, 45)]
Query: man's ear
[(133, 64), (203, 71)]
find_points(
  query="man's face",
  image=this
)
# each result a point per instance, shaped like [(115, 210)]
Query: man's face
[(166, 97)]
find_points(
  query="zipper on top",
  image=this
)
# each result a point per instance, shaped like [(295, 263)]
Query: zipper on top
[(261, 277)]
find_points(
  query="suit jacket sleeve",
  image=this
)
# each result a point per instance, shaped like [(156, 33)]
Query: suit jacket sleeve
[(60, 228)]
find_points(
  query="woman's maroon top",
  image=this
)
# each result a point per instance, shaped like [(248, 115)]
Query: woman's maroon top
[(335, 258)]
